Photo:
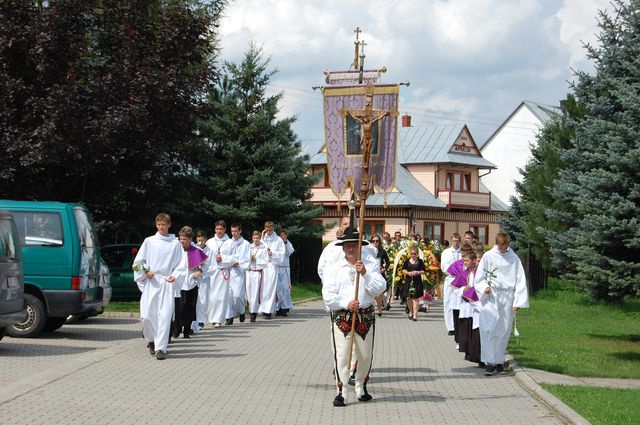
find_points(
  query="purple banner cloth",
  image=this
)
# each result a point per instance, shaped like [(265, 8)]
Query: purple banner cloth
[(345, 166), (196, 257)]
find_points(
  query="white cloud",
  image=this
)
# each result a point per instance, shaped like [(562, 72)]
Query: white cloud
[(468, 61)]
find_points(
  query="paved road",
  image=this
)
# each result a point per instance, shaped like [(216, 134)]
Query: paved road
[(269, 372)]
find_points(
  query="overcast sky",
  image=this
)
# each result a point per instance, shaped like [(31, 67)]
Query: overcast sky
[(468, 61)]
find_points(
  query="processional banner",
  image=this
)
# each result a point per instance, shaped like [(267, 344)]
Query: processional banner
[(344, 105)]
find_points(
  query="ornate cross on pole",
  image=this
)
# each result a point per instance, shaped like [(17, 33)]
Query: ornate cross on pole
[(366, 117), (357, 46)]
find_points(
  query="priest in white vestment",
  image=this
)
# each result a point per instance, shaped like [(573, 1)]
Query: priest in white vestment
[(275, 249)]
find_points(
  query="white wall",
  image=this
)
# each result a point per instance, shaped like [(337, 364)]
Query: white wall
[(509, 150)]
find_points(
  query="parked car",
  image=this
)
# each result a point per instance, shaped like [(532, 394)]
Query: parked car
[(119, 258), (12, 306), (60, 254)]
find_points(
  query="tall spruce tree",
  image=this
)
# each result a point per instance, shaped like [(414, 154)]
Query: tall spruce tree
[(600, 176), (251, 167)]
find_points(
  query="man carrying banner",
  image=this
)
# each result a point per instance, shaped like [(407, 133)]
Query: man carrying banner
[(338, 290)]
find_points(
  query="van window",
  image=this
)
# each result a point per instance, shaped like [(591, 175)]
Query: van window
[(9, 247), (37, 228), (86, 234)]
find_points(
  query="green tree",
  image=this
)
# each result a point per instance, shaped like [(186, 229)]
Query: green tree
[(251, 167), (600, 178), (99, 100)]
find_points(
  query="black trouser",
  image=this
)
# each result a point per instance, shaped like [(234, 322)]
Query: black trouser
[(185, 310), (456, 324)]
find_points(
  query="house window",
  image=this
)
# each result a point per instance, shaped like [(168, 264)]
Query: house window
[(373, 227), (324, 176), (458, 181), (481, 232), (433, 231)]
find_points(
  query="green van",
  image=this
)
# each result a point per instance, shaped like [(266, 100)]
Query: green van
[(61, 260)]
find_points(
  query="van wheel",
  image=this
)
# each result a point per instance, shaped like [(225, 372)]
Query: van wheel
[(36, 319), (54, 323)]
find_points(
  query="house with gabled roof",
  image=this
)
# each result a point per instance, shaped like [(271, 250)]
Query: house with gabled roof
[(437, 188), (509, 147)]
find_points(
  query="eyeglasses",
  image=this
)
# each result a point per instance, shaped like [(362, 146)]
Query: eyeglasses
[(375, 240)]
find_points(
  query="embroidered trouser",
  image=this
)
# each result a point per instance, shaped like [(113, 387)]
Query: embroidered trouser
[(362, 347)]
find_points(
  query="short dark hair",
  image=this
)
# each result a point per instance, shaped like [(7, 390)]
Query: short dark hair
[(201, 234), (237, 226), (220, 223)]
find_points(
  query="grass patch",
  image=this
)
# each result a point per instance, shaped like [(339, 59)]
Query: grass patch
[(606, 406), (305, 290), (299, 291), (564, 332)]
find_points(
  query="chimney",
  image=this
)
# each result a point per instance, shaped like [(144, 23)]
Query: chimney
[(406, 120)]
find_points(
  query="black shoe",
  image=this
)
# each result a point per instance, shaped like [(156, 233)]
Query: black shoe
[(339, 401), (410, 317), (414, 319), (482, 365), (175, 334), (186, 335), (161, 355), (365, 397), (380, 314), (242, 318), (406, 310), (267, 316), (491, 370), (285, 312), (279, 313), (451, 333), (499, 368), (352, 380), (252, 317), (152, 348), (387, 307), (228, 322)]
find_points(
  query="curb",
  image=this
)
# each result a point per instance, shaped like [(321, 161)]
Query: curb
[(530, 385)]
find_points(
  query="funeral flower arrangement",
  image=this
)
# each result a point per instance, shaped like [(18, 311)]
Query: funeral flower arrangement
[(399, 254)]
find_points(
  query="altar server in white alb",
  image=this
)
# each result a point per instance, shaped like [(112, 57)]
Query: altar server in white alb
[(259, 258), (450, 256), (237, 291), (338, 293), (222, 259), (283, 290), (502, 288), (155, 268), (275, 249)]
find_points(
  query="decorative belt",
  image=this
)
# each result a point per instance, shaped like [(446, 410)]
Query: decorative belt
[(365, 317)]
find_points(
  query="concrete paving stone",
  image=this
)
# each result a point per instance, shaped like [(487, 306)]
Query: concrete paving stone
[(268, 372)]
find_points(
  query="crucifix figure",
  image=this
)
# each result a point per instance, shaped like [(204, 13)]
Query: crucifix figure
[(366, 117)]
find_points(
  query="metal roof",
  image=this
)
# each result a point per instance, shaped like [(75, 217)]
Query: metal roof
[(426, 145), (543, 112), (410, 192), (432, 144)]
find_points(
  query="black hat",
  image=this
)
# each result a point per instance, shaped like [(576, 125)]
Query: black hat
[(350, 235)]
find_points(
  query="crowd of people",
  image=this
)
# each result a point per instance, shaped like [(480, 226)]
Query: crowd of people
[(186, 284), (482, 292)]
